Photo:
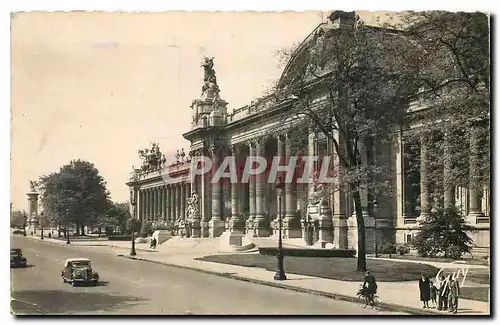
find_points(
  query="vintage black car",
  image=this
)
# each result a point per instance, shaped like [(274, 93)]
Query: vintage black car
[(16, 258), (79, 271)]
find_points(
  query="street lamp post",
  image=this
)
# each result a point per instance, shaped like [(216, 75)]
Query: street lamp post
[(132, 251), (280, 272), (41, 224), (67, 227), (375, 209)]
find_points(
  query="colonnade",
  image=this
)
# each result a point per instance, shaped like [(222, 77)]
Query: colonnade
[(164, 202), (447, 192), (222, 202)]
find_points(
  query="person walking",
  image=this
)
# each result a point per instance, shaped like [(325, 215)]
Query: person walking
[(453, 295), (425, 290), (433, 294), (443, 289)]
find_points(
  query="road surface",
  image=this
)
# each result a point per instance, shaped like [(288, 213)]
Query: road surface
[(130, 287)]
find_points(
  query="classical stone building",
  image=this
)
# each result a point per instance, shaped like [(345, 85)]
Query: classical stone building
[(259, 130)]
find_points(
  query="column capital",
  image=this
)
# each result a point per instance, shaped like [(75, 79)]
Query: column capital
[(251, 143), (235, 149)]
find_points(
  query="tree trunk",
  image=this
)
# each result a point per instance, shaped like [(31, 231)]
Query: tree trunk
[(83, 230), (361, 232)]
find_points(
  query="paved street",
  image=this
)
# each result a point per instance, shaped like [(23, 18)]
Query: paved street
[(134, 287)]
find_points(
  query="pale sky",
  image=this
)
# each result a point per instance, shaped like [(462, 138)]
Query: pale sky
[(100, 86)]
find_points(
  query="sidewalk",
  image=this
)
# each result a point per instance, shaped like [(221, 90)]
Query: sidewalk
[(105, 243), (399, 296), (395, 295)]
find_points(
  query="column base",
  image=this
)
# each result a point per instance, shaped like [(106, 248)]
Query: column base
[(369, 232), (473, 215), (340, 230), (215, 228), (236, 224), (292, 228), (204, 229), (261, 225)]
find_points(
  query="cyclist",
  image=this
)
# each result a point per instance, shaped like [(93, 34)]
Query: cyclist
[(370, 287)]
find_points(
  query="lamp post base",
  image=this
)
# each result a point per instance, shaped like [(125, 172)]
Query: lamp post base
[(280, 272), (132, 251), (280, 275)]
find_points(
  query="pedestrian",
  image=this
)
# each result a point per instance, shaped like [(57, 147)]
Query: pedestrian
[(453, 295), (443, 290), (433, 294), (50, 235), (425, 290)]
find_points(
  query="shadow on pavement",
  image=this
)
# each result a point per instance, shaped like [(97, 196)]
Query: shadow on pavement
[(64, 302), (23, 267)]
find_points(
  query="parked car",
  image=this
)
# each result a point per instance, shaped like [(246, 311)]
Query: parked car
[(79, 271), (16, 258)]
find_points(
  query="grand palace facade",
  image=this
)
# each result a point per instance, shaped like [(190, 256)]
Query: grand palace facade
[(162, 192)]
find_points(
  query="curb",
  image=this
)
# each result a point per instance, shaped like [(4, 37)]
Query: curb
[(336, 296), (62, 242)]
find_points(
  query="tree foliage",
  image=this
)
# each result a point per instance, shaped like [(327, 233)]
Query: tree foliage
[(133, 225), (17, 219), (455, 80), (445, 232), (76, 194), (352, 85)]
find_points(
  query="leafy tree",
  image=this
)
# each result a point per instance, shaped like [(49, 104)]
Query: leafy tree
[(444, 231), (364, 80), (133, 225), (17, 219), (454, 52), (75, 194), (116, 216)]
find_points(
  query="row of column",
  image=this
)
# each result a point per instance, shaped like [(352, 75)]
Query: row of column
[(474, 188), (163, 203), (258, 222)]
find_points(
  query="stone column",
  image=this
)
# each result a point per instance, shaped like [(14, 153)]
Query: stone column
[(283, 161), (32, 210), (148, 204), (291, 224), (165, 203), (449, 188), (339, 220), (261, 222), (183, 201), (474, 184), (140, 204), (251, 192), (424, 188), (216, 225), (368, 219), (237, 223), (172, 202), (205, 208), (159, 205), (177, 201)]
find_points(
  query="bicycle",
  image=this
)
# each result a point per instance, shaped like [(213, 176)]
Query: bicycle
[(365, 300)]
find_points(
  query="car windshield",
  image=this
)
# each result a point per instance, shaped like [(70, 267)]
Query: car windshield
[(15, 252), (80, 264)]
